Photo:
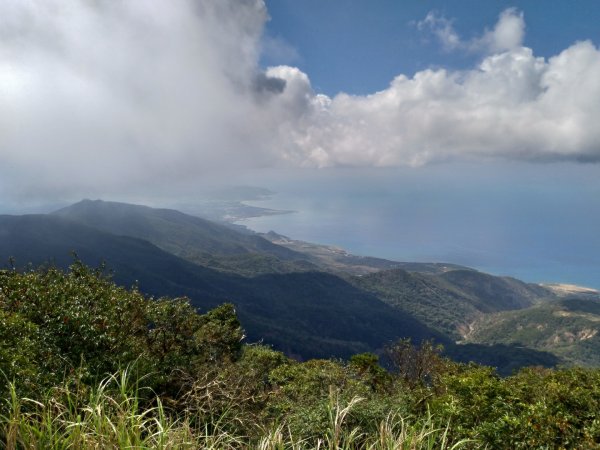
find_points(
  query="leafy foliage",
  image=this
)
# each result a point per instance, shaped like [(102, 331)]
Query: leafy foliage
[(536, 408), (91, 365), (57, 322), (417, 366)]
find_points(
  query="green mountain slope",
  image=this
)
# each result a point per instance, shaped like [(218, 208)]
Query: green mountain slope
[(495, 293), (303, 312), (569, 328), (308, 314), (40, 239), (451, 301), (189, 237)]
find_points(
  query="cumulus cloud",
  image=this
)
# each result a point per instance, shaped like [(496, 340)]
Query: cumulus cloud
[(513, 105), (507, 34), (442, 28), (104, 96)]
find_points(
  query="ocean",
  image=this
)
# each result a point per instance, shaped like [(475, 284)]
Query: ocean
[(538, 223)]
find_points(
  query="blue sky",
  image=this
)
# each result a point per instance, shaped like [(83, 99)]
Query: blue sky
[(358, 46)]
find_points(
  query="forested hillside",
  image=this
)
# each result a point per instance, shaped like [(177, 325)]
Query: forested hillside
[(89, 364), (293, 301), (307, 314), (301, 298), (567, 327), (453, 300)]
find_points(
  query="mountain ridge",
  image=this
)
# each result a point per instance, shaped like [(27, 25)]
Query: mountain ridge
[(172, 230), (293, 300), (337, 318), (451, 301)]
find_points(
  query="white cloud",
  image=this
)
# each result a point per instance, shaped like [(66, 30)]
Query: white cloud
[(514, 105), (109, 95), (507, 34), (105, 97), (443, 29)]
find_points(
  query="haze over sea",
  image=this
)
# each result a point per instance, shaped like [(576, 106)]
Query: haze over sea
[(536, 223)]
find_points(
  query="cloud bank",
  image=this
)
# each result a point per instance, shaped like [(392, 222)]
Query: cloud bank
[(513, 105), (108, 95), (111, 94)]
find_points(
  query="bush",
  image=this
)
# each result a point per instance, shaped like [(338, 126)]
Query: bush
[(56, 323), (187, 378)]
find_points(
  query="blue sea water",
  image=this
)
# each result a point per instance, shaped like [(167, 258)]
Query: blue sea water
[(539, 223)]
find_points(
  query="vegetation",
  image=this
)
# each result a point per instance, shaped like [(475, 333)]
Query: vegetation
[(567, 327), (309, 314), (451, 301), (181, 234), (279, 298), (88, 364)]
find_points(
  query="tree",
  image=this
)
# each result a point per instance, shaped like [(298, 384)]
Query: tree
[(417, 366)]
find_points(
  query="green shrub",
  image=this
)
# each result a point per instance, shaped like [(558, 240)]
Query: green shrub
[(186, 380), (56, 322)]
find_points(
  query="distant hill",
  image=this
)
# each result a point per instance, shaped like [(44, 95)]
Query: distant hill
[(308, 314), (495, 293), (569, 328), (451, 301), (41, 239), (183, 235), (297, 301)]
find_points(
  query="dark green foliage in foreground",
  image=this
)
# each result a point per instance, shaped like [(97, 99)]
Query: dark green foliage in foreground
[(189, 378), (536, 408), (56, 323)]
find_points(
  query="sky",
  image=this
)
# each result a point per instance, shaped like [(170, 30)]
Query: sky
[(137, 99), (359, 46), (121, 96)]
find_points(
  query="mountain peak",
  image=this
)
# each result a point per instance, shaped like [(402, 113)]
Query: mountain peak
[(181, 234), (97, 203)]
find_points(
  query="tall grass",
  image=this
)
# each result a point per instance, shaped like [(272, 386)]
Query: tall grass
[(110, 416), (116, 415)]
